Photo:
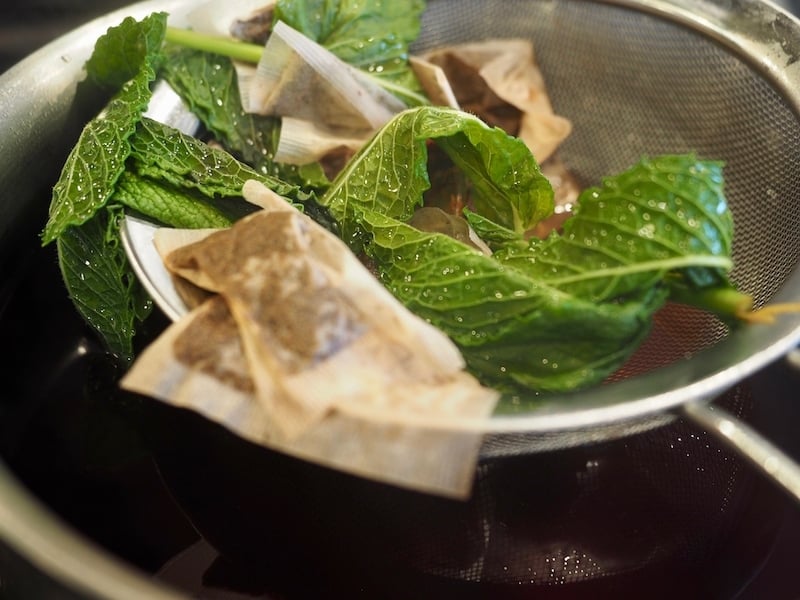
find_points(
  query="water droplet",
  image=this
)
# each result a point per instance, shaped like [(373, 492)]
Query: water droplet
[(647, 231)]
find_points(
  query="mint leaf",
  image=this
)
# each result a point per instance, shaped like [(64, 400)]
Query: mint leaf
[(124, 50), (496, 236), (548, 315), (389, 174), (100, 282), (169, 205), (509, 188), (161, 152), (665, 215), (207, 174), (97, 160), (514, 332), (372, 35)]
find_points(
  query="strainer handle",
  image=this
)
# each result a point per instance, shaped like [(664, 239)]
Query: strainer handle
[(748, 443)]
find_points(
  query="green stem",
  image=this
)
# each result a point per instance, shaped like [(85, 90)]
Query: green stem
[(725, 301), (251, 53), (229, 47)]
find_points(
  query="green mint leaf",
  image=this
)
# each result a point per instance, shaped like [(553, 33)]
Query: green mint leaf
[(389, 174), (509, 188), (494, 235), (124, 50), (372, 35), (514, 332), (161, 152), (91, 170), (180, 170), (171, 206), (100, 282), (665, 215), (548, 315)]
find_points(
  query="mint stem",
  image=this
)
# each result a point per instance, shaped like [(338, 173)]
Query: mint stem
[(725, 302), (251, 53), (235, 49)]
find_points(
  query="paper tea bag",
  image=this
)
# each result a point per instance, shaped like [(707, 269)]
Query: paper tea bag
[(338, 371), (221, 18), (499, 81), (434, 82), (302, 141), (198, 364), (296, 77)]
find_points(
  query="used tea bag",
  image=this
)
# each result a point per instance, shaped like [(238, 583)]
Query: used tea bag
[(434, 82), (226, 18), (303, 141), (198, 364), (191, 294), (499, 81), (296, 77), (338, 371)]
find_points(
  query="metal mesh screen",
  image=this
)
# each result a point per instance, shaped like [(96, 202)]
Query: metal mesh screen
[(633, 85), (636, 84)]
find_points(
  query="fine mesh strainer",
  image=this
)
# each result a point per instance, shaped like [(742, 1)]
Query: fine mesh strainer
[(639, 78), (649, 77)]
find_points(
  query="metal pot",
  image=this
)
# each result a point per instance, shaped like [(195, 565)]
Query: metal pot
[(751, 46)]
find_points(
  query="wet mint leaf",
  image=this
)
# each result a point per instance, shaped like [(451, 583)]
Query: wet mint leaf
[(100, 283), (547, 315), (372, 35), (126, 56)]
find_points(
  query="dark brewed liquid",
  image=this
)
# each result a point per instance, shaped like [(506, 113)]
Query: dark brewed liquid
[(664, 514)]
